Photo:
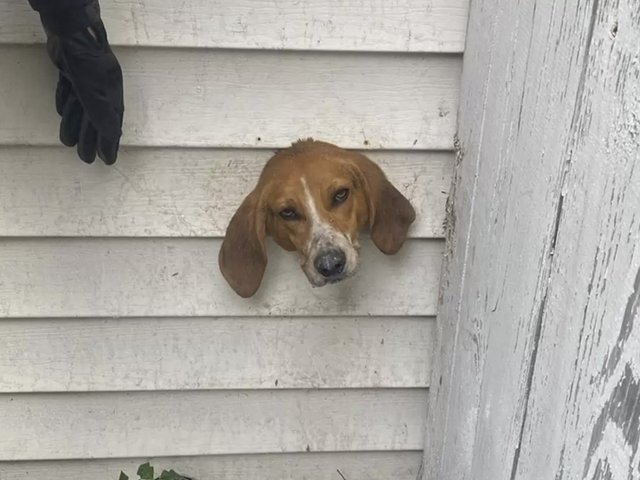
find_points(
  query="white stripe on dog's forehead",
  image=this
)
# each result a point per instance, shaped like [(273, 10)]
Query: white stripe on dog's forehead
[(323, 236), (311, 204)]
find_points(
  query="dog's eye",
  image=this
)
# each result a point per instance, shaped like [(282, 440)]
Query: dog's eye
[(288, 214), (340, 196)]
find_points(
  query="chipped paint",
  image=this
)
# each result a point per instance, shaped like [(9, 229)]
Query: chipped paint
[(538, 375)]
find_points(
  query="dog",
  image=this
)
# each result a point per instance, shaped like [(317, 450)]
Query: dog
[(313, 198)]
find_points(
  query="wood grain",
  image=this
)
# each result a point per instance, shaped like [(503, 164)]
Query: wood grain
[(168, 192), (537, 371), (586, 379), (222, 98)]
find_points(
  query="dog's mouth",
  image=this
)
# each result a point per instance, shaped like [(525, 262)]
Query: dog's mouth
[(336, 279), (322, 281)]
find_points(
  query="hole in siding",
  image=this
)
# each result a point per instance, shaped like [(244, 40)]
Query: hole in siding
[(614, 29)]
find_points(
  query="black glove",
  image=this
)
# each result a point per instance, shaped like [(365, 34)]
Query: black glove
[(89, 95)]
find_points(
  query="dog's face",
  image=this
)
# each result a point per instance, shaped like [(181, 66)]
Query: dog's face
[(314, 198), (317, 209)]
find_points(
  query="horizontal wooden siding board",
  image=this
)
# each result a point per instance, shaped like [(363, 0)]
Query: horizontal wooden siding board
[(105, 425), (214, 353), (172, 192), (222, 98), (66, 277), (297, 466), (405, 25)]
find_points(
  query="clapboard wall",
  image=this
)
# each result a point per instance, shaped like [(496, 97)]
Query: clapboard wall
[(538, 373), (119, 339)]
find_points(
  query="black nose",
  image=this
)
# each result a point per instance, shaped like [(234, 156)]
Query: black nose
[(330, 263)]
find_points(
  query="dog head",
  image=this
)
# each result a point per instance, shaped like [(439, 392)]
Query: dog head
[(314, 198)]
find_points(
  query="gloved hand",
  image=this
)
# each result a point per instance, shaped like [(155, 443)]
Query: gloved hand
[(89, 95)]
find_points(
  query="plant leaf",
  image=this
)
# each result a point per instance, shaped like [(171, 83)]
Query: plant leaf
[(123, 476), (172, 475), (145, 471)]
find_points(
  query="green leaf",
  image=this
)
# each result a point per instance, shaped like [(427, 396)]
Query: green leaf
[(172, 475), (123, 476), (145, 471)]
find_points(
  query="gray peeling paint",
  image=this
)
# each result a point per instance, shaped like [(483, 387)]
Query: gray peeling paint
[(538, 371)]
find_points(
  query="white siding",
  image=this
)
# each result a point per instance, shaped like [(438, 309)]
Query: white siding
[(223, 98), (284, 466), (114, 424), (379, 25), (42, 277), (173, 192), (214, 353), (538, 373), (119, 337)]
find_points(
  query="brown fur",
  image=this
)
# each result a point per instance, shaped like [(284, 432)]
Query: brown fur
[(373, 203)]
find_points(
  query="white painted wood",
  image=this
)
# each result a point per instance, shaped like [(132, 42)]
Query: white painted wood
[(142, 424), (226, 390), (305, 466), (537, 374), (506, 197), (172, 192), (208, 353), (402, 25), (249, 98), (180, 277), (586, 379)]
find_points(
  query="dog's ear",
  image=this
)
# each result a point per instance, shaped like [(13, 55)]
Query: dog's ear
[(390, 213), (243, 258)]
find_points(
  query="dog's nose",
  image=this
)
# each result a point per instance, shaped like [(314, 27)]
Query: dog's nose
[(331, 263)]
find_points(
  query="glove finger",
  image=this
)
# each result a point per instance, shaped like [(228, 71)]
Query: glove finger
[(63, 90), (71, 121), (108, 149), (88, 141), (97, 78)]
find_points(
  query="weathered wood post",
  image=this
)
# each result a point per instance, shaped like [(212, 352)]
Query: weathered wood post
[(538, 373)]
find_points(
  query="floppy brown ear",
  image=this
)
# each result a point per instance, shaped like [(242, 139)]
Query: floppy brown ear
[(243, 258), (390, 213)]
